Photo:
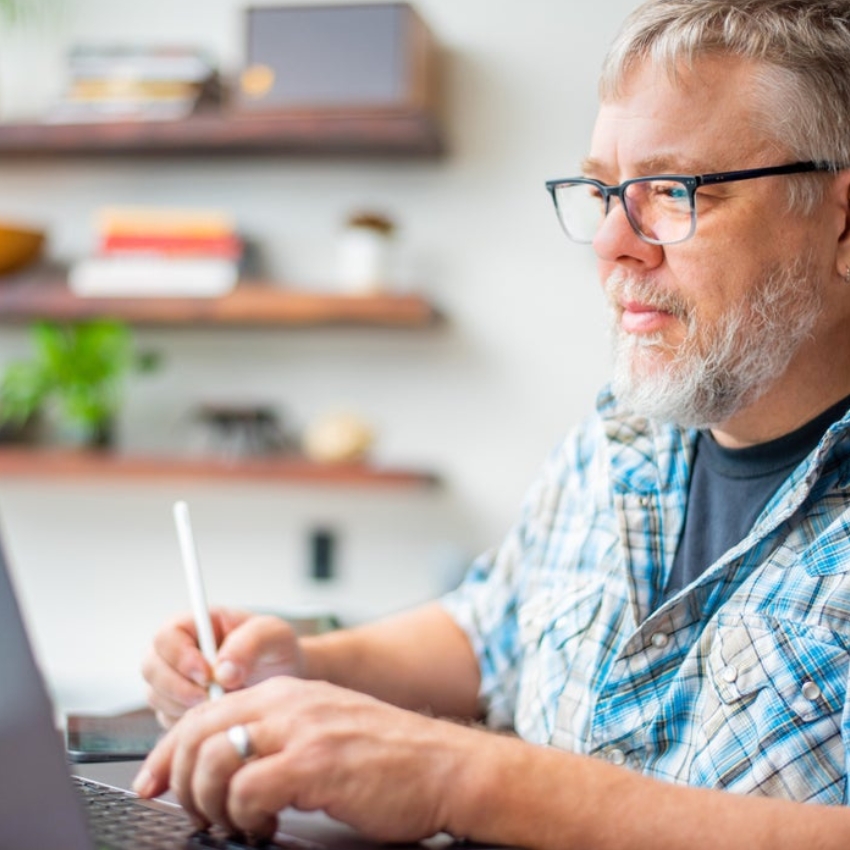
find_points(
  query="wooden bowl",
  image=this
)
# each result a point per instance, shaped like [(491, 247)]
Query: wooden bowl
[(19, 246)]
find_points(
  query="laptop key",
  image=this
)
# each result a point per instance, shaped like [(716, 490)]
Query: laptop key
[(119, 820)]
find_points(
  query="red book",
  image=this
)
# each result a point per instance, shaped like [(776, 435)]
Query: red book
[(225, 246)]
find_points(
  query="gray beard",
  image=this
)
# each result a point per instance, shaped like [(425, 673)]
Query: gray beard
[(717, 370)]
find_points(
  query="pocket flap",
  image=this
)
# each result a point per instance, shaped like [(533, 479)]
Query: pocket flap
[(805, 666)]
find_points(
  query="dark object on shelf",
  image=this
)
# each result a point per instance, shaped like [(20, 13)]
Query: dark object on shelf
[(28, 432), (322, 554), (243, 431), (360, 56)]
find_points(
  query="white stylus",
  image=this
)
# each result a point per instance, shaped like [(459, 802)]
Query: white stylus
[(200, 611)]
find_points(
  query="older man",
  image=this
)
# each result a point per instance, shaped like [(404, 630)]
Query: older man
[(670, 618)]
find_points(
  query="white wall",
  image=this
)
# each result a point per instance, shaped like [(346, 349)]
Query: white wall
[(481, 400)]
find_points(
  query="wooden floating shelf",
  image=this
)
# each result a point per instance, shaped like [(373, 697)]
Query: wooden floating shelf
[(379, 132), (81, 464), (45, 295)]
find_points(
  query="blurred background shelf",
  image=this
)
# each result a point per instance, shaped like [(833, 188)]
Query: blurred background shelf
[(45, 295), (377, 133), (81, 464)]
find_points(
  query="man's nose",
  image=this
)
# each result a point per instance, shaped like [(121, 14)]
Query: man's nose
[(616, 240)]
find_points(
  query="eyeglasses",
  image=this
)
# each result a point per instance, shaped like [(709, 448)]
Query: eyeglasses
[(661, 209)]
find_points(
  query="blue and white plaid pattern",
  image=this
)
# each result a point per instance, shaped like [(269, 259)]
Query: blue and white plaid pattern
[(738, 682)]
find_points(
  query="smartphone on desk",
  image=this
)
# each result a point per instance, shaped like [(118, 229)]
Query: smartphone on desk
[(111, 737)]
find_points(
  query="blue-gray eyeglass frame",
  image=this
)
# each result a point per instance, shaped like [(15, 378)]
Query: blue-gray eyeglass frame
[(691, 182)]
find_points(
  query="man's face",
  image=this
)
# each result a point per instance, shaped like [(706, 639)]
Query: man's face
[(703, 327)]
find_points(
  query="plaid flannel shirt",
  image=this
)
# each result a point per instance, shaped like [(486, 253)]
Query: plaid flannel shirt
[(738, 682)]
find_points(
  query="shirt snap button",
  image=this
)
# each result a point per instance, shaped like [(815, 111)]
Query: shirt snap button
[(811, 691), (617, 757), (659, 640), (729, 674)]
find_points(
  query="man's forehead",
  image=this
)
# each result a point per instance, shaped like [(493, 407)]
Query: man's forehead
[(700, 119), (691, 77)]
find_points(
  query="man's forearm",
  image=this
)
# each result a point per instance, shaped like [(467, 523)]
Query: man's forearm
[(515, 793), (419, 659)]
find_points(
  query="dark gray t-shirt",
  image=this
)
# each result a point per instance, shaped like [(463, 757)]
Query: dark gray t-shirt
[(729, 489)]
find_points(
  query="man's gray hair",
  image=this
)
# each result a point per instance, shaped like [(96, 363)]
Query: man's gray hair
[(803, 47)]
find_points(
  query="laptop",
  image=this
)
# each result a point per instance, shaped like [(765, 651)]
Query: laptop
[(42, 805)]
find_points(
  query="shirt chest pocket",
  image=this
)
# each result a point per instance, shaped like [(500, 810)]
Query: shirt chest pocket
[(554, 617), (772, 707), (556, 632)]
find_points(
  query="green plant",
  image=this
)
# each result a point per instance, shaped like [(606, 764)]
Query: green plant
[(18, 11), (78, 371), (11, 9)]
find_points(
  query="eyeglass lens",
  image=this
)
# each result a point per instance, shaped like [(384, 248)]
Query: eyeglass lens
[(659, 210)]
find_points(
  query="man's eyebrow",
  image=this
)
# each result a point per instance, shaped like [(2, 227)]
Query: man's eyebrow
[(658, 164), (592, 167), (670, 164)]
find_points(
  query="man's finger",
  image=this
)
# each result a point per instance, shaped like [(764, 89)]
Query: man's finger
[(154, 775), (257, 793)]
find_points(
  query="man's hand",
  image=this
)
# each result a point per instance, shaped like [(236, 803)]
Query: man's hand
[(386, 771), (398, 776), (251, 648)]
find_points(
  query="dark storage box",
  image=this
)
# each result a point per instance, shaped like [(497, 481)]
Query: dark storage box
[(338, 58)]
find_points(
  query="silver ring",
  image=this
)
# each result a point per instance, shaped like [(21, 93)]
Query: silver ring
[(241, 740)]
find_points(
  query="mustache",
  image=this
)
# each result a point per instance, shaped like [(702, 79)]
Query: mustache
[(621, 286)]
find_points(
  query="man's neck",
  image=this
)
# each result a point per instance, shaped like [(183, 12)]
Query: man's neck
[(784, 408)]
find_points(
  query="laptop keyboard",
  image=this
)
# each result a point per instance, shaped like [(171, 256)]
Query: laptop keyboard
[(120, 821)]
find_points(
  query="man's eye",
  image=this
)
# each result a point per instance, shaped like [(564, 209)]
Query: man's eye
[(671, 191), (667, 195)]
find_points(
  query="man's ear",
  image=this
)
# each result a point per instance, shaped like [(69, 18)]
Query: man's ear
[(841, 194)]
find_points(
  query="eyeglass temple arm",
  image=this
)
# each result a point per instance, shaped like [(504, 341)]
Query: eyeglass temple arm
[(752, 173)]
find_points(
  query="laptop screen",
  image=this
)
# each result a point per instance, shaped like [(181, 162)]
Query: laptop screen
[(39, 807)]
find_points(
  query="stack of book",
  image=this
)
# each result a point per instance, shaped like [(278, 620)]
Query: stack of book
[(161, 252), (135, 84)]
